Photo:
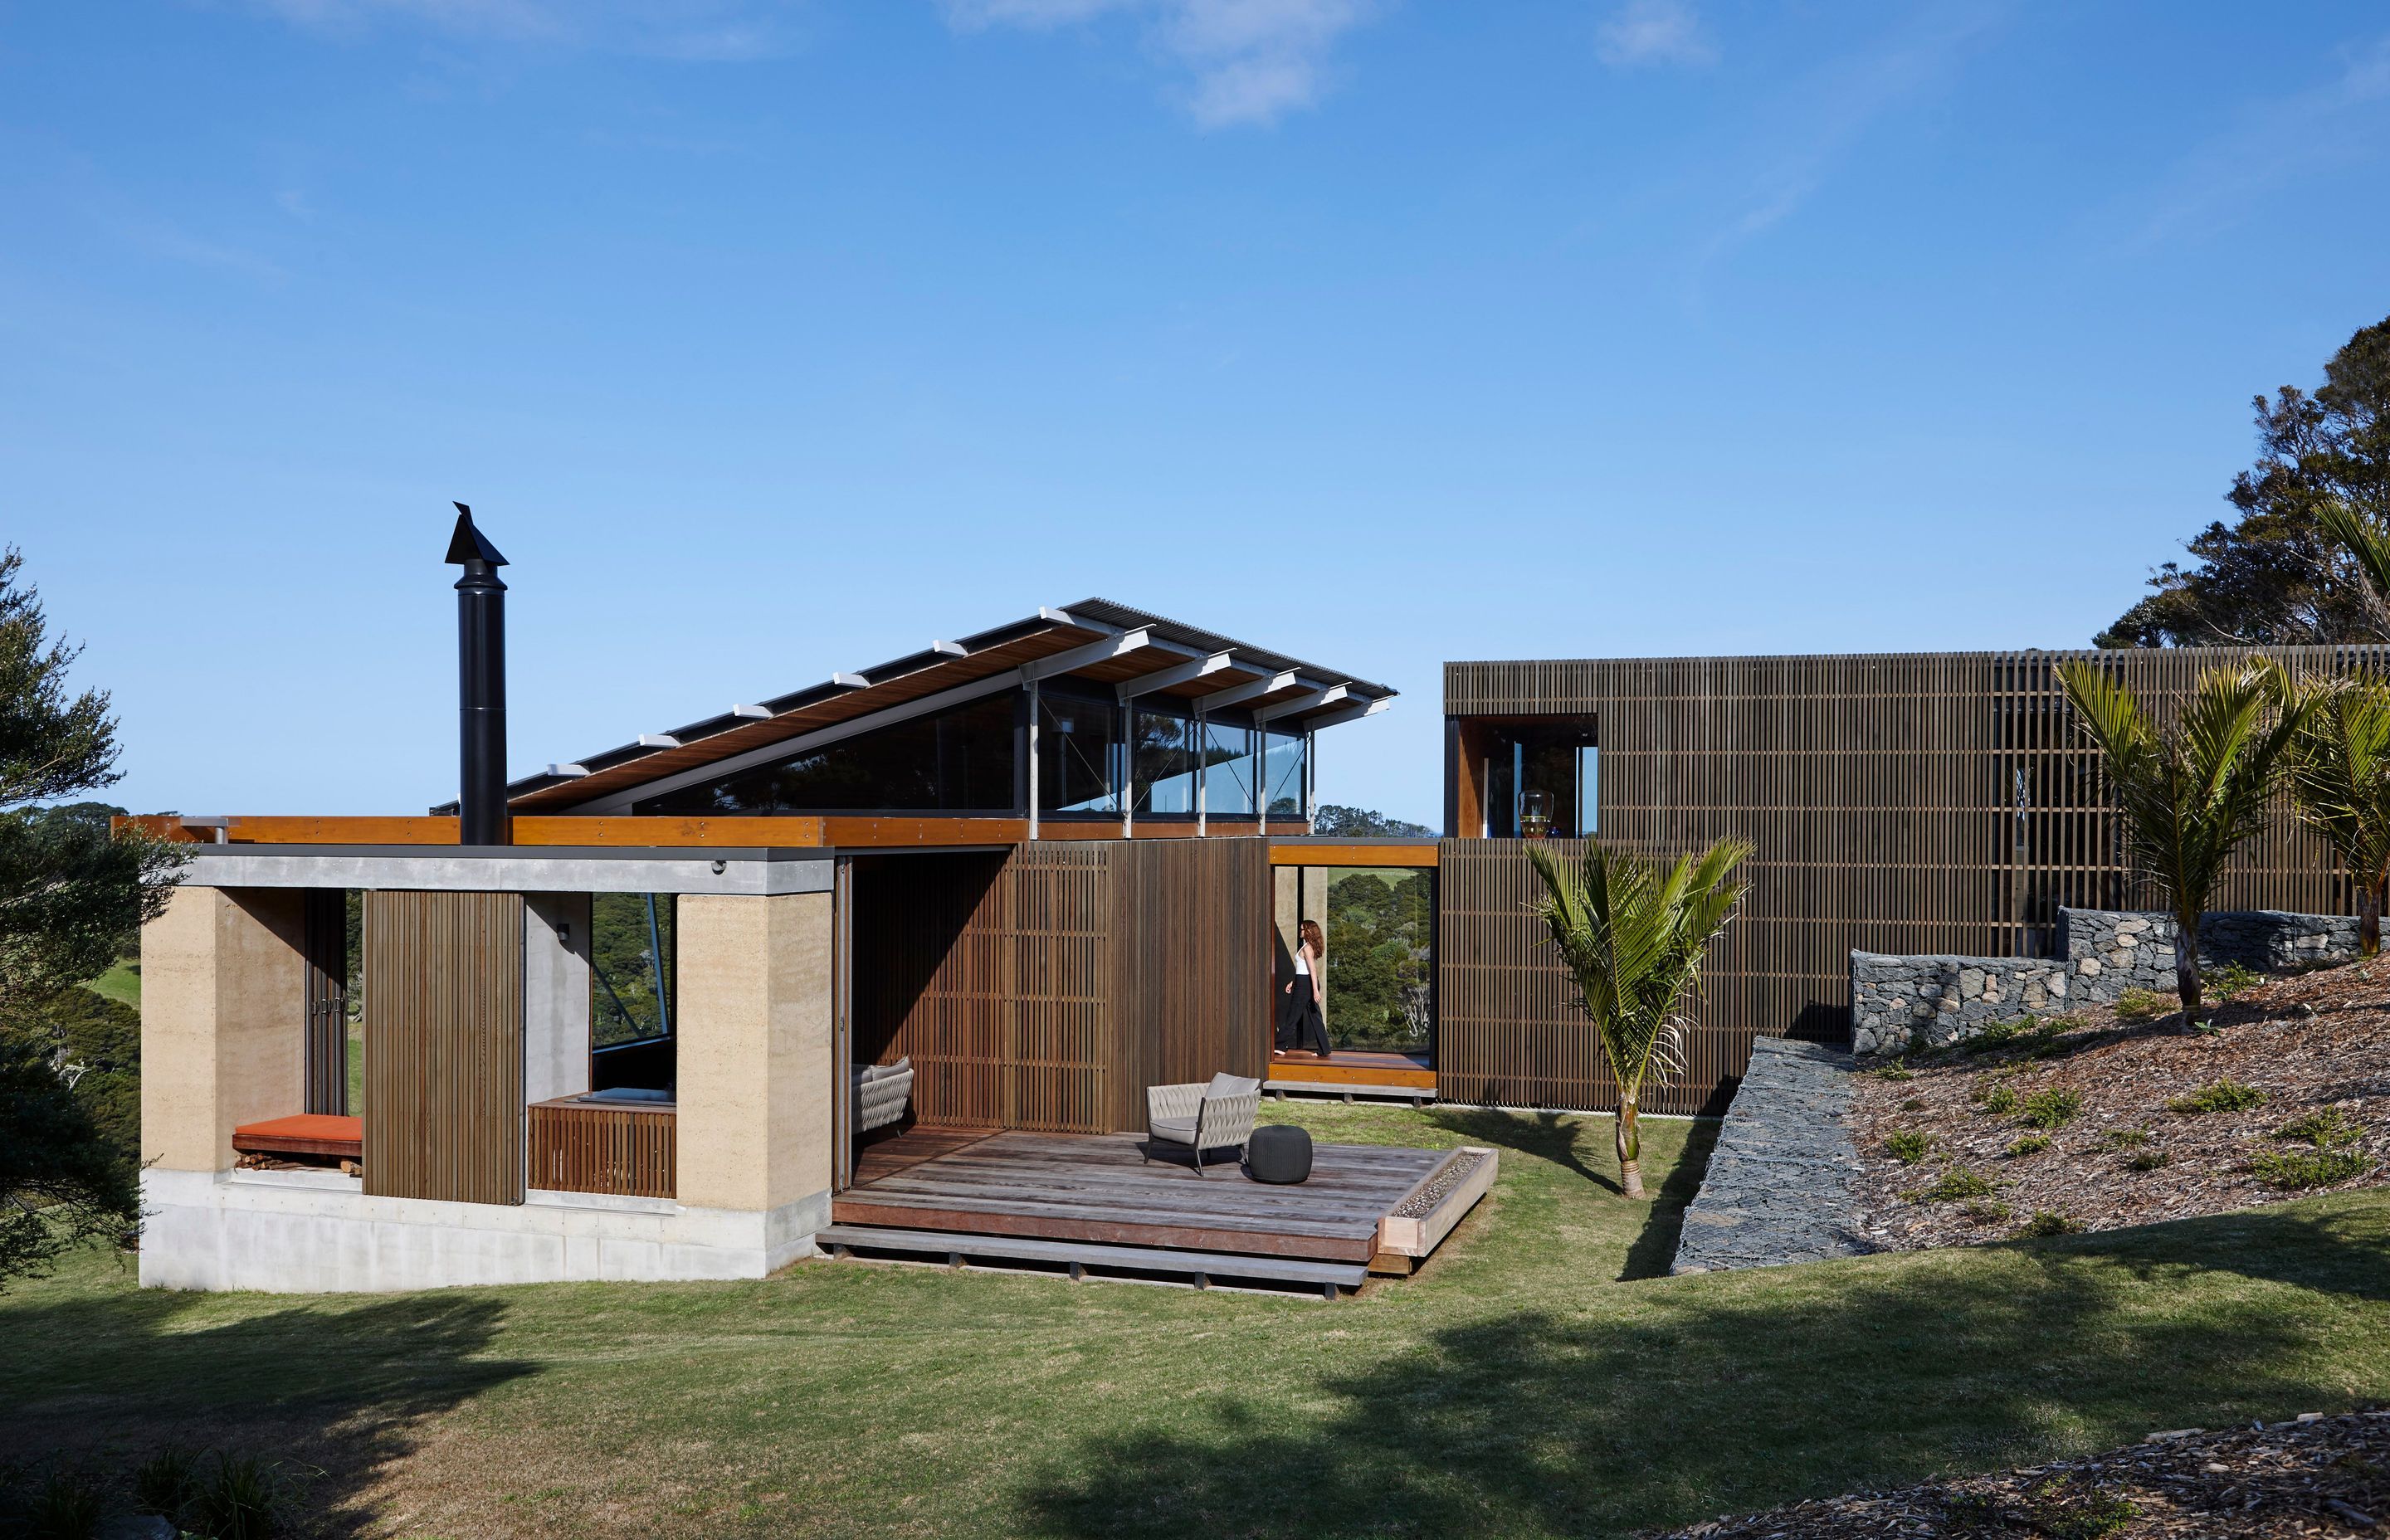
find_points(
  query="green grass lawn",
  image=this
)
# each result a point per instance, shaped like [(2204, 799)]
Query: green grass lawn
[(1536, 1378), (121, 984)]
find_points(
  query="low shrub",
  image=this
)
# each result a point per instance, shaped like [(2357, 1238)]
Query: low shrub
[(1897, 1069), (65, 1503), (2147, 1160), (2051, 1222), (2051, 1109), (1956, 1185), (2223, 1093), (2230, 980), (241, 1500), (2029, 1144), (2328, 1128), (1998, 1098), (2126, 1138), (2087, 1516), (2142, 1005), (167, 1483), (1998, 1034), (2289, 1169), (1907, 1145), (1987, 1211), (1914, 1104)]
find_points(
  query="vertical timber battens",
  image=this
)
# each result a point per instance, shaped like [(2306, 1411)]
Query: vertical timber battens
[(445, 1045), (1924, 802)]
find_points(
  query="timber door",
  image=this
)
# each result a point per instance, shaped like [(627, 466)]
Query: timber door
[(445, 1045)]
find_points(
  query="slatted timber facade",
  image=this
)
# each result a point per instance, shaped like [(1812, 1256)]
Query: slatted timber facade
[(1044, 987), (582, 1147), (1929, 803), (444, 1030)]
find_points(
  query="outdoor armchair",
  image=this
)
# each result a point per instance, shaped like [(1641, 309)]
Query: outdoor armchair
[(880, 1092), (1217, 1116)]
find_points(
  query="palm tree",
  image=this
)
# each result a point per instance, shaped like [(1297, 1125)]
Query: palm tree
[(2338, 768), (2367, 544), (2191, 793), (1633, 936)]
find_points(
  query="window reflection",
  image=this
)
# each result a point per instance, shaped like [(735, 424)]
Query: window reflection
[(1163, 753), (1282, 767), (959, 760), (1228, 771), (1077, 769)]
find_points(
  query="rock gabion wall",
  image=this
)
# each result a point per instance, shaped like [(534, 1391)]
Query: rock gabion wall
[(2101, 953)]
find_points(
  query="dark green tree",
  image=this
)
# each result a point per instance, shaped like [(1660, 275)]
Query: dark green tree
[(1360, 823), (2275, 576), (73, 898)]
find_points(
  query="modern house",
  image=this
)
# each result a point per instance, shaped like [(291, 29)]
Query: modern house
[(1043, 868), (630, 1016)]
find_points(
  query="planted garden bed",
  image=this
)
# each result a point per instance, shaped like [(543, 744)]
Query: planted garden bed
[(2090, 1121)]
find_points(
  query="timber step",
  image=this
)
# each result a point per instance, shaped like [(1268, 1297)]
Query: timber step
[(1201, 1267)]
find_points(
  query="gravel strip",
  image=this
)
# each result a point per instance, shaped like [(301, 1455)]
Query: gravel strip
[(1453, 1171), (1778, 1187)]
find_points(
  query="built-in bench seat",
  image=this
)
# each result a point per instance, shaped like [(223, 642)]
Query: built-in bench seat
[(303, 1133)]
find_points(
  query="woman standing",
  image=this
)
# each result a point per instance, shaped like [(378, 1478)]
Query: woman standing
[(1302, 1023)]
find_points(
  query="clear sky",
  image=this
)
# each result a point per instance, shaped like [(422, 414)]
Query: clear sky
[(770, 339)]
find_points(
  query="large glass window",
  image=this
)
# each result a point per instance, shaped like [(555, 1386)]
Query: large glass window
[(1077, 764), (959, 760), (1548, 773), (1282, 767), (635, 971), (1162, 756), (1228, 771)]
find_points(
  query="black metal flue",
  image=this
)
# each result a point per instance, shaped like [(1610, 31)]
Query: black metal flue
[(482, 685)]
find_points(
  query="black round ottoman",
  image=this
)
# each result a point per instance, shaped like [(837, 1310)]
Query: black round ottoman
[(1278, 1153)]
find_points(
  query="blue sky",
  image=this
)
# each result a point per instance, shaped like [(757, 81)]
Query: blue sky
[(775, 339)]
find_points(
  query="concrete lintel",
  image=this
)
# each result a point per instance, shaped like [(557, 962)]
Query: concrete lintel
[(515, 869)]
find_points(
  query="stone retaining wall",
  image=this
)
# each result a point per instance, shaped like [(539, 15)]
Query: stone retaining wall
[(2101, 953)]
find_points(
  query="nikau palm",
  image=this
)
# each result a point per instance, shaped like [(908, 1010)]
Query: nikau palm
[(1634, 935), (2338, 769), (2189, 794)]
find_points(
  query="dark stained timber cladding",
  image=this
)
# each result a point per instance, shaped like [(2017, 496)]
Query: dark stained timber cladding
[(1897, 802), (445, 1045), (1043, 988)]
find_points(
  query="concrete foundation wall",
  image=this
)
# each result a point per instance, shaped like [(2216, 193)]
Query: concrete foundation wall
[(318, 1232), (223, 1022)]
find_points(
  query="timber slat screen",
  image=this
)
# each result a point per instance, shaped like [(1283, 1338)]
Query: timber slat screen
[(1044, 987), (445, 1045), (1930, 803), (581, 1148)]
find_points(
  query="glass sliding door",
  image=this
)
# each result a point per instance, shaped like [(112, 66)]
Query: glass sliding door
[(1163, 752)]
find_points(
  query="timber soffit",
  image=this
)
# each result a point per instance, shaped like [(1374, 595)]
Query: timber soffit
[(977, 659)]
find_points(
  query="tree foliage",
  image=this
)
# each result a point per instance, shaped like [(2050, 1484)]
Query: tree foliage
[(1634, 935), (73, 898), (1380, 925), (2338, 770), (2276, 576), (2193, 790), (1360, 823)]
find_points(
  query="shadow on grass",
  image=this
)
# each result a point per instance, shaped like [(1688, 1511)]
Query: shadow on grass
[(1731, 1393), (1654, 1251), (330, 1393), (1546, 1136)]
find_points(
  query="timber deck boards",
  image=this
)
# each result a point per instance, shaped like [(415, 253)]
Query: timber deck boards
[(1094, 1187)]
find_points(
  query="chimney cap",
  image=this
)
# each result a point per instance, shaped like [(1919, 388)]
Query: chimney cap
[(468, 544)]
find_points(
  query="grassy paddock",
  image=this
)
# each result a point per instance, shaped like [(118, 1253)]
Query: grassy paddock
[(1537, 1378)]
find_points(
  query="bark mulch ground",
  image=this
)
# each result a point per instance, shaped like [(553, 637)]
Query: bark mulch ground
[(2314, 1476), (2086, 1123)]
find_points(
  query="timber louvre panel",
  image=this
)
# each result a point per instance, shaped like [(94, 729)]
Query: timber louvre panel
[(1043, 988), (445, 1045), (1927, 802)]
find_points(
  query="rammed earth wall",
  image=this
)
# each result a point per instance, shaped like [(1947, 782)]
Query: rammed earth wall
[(2101, 953)]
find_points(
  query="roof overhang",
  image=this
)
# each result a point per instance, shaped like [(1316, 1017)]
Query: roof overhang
[(1140, 656)]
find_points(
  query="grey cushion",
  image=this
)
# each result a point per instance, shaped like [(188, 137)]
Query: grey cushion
[(1226, 1084), (1177, 1130)]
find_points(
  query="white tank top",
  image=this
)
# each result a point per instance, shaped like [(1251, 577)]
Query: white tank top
[(1302, 967)]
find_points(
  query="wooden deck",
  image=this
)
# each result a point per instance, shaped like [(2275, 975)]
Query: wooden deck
[(1094, 1188), (1353, 1071)]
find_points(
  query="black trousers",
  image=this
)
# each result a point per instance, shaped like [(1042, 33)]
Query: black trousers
[(1300, 1025)]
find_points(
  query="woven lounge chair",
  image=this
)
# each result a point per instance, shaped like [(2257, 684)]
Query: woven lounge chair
[(1217, 1116), (880, 1092)]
